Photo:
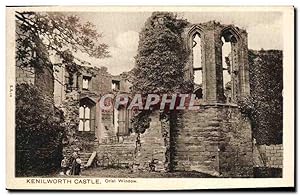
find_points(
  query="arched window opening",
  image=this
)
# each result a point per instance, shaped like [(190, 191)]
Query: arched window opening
[(86, 115), (121, 121), (123, 130), (197, 61), (227, 40)]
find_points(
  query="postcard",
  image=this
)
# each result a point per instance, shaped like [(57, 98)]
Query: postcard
[(150, 98)]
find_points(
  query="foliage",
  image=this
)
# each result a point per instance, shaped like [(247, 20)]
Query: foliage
[(265, 104), (42, 33), (161, 55), (160, 60), (141, 121), (39, 132), (247, 106)]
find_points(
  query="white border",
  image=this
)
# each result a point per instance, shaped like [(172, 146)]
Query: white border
[(113, 2)]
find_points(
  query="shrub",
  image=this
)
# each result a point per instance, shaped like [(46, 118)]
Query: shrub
[(39, 132)]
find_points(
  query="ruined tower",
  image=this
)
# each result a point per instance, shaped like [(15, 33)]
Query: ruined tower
[(217, 138)]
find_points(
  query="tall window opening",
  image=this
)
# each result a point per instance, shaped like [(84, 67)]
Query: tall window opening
[(115, 85), (123, 129), (227, 40), (86, 115), (197, 65), (86, 82), (121, 121)]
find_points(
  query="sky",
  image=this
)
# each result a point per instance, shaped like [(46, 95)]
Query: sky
[(120, 32)]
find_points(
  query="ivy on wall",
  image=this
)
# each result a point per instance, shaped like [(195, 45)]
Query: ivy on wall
[(265, 105), (160, 60)]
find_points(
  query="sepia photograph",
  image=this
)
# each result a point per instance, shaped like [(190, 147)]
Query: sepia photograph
[(108, 97)]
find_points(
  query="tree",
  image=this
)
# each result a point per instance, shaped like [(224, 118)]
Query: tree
[(40, 34), (159, 66)]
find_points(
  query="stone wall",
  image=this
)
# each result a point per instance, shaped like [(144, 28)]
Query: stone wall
[(104, 139), (148, 151), (100, 82), (71, 112), (194, 141), (272, 155), (118, 153), (215, 140), (43, 79), (236, 156), (24, 75), (153, 145), (76, 140)]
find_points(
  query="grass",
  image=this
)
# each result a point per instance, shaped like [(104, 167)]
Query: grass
[(98, 172), (127, 173)]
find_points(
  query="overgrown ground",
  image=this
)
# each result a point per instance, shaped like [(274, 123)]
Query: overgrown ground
[(126, 173), (99, 172)]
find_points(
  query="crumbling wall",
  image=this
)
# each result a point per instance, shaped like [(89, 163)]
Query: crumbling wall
[(148, 151), (99, 84), (153, 145), (43, 79), (75, 140), (211, 58), (71, 113)]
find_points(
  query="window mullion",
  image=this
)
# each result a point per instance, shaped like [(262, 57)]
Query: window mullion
[(83, 118)]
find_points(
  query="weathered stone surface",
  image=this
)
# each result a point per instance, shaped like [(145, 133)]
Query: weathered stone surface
[(43, 79), (25, 75), (117, 154), (153, 145), (272, 155), (224, 146)]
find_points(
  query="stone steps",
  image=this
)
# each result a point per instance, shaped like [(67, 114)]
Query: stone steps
[(84, 156)]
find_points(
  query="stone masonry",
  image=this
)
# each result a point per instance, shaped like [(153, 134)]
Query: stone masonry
[(215, 140), (271, 155), (24, 75)]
